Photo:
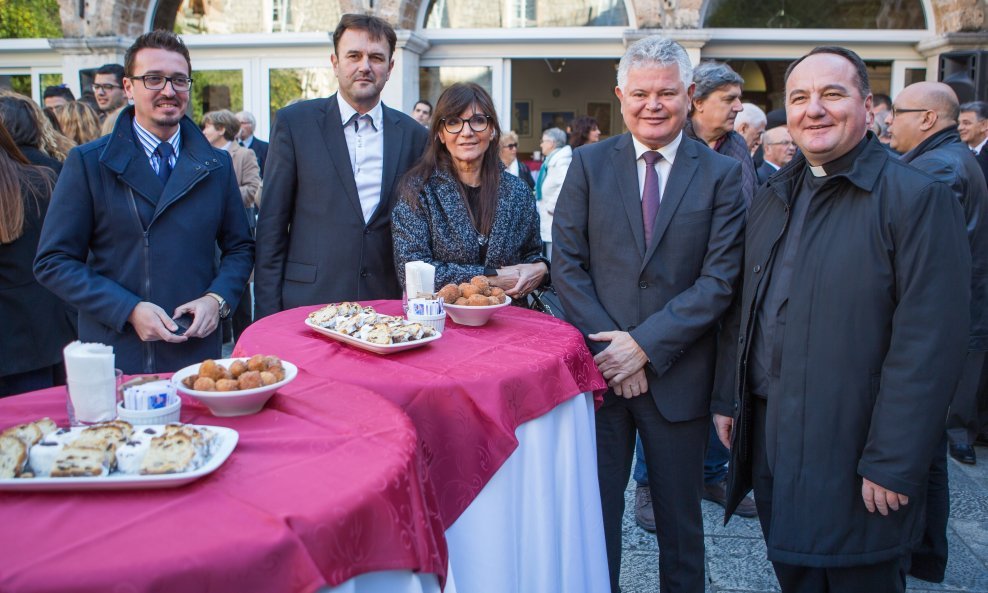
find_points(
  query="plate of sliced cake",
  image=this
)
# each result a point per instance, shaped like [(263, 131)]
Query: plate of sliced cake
[(111, 455)]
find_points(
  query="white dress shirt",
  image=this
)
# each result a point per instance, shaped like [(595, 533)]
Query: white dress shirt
[(663, 167), (366, 147)]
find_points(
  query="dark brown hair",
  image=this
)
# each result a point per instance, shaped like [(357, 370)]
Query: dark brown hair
[(454, 101), (580, 130), (17, 174), (159, 39), (864, 86), (377, 28)]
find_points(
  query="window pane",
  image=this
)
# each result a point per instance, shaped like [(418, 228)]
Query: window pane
[(456, 14), (50, 79), (288, 85), (257, 16), (19, 83), (914, 75), (216, 89), (434, 80), (816, 14)]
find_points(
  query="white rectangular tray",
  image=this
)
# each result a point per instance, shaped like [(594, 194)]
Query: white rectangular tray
[(368, 346), (117, 481)]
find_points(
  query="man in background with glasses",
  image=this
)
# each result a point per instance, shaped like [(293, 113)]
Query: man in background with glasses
[(777, 150), (131, 234), (110, 97), (324, 230)]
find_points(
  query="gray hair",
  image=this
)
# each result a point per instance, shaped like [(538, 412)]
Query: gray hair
[(752, 115), (557, 136), (655, 51), (248, 116), (710, 76), (980, 109)]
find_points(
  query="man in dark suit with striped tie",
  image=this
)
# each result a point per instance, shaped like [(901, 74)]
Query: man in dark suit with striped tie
[(131, 235)]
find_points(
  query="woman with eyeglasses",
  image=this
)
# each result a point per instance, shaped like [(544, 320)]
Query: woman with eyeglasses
[(458, 208), (509, 156), (35, 323)]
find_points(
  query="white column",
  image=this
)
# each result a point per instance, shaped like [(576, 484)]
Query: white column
[(402, 90)]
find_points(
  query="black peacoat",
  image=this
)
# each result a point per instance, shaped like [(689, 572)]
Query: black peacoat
[(874, 341)]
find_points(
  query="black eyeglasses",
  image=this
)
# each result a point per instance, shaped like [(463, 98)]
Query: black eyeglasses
[(478, 123), (106, 88), (787, 143), (896, 111), (156, 82), (512, 145)]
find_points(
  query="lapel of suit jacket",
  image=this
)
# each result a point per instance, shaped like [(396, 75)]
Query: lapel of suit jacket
[(394, 137), (126, 157), (626, 169), (683, 169), (195, 160), (332, 133)]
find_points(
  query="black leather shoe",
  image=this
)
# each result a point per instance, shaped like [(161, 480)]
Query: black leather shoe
[(718, 493), (644, 515), (964, 454)]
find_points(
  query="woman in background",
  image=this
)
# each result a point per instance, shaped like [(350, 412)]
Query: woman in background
[(31, 131), (459, 210), (583, 130), (35, 324), (78, 122), (509, 156)]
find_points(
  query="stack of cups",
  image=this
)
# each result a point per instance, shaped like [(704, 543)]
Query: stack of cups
[(428, 311)]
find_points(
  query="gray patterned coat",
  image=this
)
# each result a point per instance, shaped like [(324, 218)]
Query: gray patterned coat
[(439, 231)]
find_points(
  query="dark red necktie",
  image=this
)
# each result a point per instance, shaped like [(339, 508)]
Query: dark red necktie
[(650, 194)]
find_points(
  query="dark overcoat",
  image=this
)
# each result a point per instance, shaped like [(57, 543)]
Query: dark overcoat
[(96, 255), (35, 322), (875, 337), (947, 158)]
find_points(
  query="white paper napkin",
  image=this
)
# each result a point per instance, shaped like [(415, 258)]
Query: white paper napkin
[(91, 378), (420, 278)]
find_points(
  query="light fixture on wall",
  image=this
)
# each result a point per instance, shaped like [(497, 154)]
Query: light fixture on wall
[(555, 66)]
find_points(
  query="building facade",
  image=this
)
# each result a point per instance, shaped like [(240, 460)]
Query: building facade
[(543, 61)]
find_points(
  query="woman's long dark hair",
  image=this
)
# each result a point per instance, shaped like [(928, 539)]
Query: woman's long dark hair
[(580, 129), (454, 101), (17, 176)]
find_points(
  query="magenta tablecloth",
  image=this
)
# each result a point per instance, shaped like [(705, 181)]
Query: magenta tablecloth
[(466, 393), (326, 483)]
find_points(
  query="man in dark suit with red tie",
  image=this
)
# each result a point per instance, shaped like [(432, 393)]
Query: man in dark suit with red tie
[(646, 255)]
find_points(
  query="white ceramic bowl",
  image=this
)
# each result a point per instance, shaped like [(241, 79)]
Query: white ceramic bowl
[(467, 315), (233, 403)]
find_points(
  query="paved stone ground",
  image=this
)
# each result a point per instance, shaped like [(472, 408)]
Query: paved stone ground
[(736, 553)]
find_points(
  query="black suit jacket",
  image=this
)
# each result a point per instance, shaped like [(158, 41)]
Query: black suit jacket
[(983, 161), (260, 148), (669, 295), (313, 246), (764, 171)]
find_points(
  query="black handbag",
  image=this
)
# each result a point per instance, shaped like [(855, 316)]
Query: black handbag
[(545, 300)]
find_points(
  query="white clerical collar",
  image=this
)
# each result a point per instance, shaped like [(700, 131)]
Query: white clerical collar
[(346, 112), (818, 171), (668, 151)]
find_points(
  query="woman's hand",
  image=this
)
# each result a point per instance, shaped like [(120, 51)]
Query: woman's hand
[(530, 277)]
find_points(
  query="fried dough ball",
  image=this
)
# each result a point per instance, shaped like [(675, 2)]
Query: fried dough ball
[(501, 298), (270, 362), (210, 369), (461, 301), (227, 385), (250, 380), (468, 290), (204, 384), (449, 293), (190, 381), (256, 363), (493, 300), (495, 291), (482, 283), (478, 300), (268, 378), (238, 368)]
